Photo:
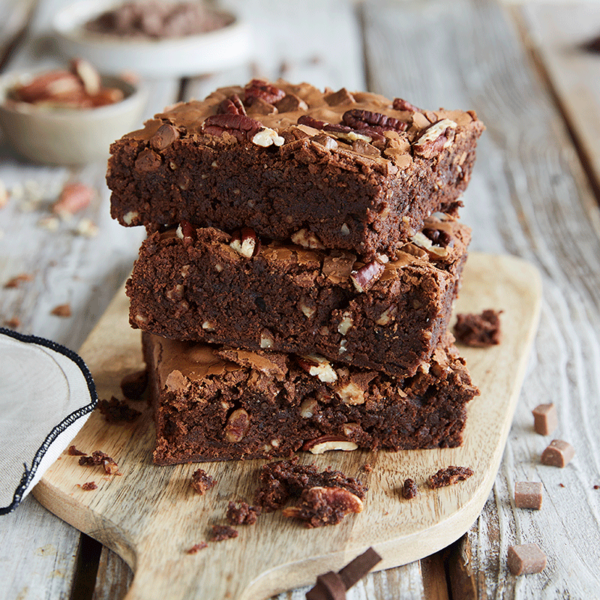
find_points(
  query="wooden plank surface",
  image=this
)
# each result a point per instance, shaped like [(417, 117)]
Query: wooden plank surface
[(558, 34), (150, 515), (528, 196)]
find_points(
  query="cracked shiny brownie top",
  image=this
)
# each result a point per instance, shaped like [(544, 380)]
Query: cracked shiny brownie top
[(356, 170)]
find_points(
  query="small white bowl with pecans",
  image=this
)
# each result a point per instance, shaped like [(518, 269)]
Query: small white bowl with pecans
[(70, 116)]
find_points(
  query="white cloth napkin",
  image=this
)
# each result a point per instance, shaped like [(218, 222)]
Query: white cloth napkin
[(46, 396)]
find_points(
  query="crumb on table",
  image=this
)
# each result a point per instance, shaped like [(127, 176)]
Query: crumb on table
[(449, 476), (202, 481), (478, 330)]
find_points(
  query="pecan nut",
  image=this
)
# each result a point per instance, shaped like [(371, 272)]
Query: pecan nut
[(186, 232), (246, 242), (318, 366), (237, 425), (435, 139), (325, 443), (231, 106), (307, 239), (263, 90), (401, 104), (243, 128), (366, 277), (365, 119)]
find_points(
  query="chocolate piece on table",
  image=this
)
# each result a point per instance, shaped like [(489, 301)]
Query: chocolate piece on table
[(195, 286), (558, 454), (409, 489), (215, 403), (363, 187), (329, 587), (449, 476), (354, 571), (478, 331), (528, 494), (545, 419), (526, 559)]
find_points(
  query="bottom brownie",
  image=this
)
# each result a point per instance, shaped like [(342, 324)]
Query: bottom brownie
[(217, 403)]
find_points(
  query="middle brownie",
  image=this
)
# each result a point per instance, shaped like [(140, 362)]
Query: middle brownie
[(205, 285)]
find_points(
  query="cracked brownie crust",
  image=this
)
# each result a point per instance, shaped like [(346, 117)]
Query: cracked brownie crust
[(200, 288), (216, 403), (357, 170)]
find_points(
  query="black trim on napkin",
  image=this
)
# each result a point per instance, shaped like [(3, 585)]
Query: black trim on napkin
[(29, 472)]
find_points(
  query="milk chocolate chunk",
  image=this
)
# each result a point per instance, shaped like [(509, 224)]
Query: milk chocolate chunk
[(545, 419), (558, 454), (526, 559), (528, 494), (363, 185)]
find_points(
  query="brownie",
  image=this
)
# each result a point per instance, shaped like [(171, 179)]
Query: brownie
[(356, 171), (217, 403), (290, 299), (479, 330)]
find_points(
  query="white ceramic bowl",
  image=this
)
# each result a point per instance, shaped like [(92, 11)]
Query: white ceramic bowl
[(170, 57), (68, 136)]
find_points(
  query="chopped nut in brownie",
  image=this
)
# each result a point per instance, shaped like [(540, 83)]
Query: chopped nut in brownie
[(62, 310), (197, 547), (73, 451), (478, 331), (18, 280), (100, 458), (222, 532), (449, 476), (409, 489), (88, 486), (242, 513), (321, 506), (115, 411), (133, 385), (202, 481), (283, 480)]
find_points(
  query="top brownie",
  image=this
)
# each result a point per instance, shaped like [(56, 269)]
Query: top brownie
[(353, 171)]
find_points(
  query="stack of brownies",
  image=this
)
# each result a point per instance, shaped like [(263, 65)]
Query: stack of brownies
[(298, 279)]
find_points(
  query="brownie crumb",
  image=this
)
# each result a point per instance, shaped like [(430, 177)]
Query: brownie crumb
[(283, 480), (100, 458), (202, 481), (320, 506), (479, 331), (561, 485), (222, 532), (449, 476), (75, 452), (367, 468), (197, 547), (409, 489), (88, 486), (134, 385), (15, 282), (62, 310), (13, 323), (597, 487), (242, 513), (117, 411)]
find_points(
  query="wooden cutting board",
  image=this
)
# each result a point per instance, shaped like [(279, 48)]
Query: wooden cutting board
[(151, 516)]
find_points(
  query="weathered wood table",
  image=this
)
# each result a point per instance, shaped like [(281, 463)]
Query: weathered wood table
[(534, 194)]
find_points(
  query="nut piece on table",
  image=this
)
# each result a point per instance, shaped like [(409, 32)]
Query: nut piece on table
[(558, 454), (545, 419), (526, 559), (528, 494)]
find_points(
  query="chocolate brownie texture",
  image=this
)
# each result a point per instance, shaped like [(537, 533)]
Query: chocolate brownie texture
[(290, 299), (217, 403), (479, 330), (449, 476), (357, 171)]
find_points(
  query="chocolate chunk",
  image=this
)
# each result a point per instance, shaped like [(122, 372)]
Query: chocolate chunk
[(134, 385), (359, 567), (242, 513), (526, 559), (545, 419), (329, 587), (478, 331), (449, 476), (222, 532), (202, 481), (409, 489), (197, 547), (62, 310), (558, 454), (116, 411), (528, 494), (164, 136), (147, 161)]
